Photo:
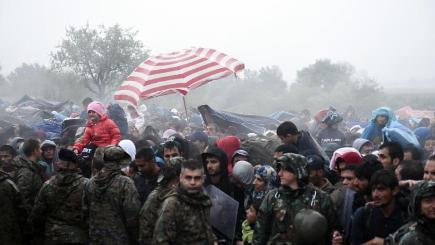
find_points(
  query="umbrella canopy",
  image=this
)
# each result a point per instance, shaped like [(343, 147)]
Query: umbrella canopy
[(176, 72)]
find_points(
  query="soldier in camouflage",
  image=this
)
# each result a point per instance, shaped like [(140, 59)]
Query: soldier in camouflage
[(185, 217), (29, 177), (111, 202), (58, 206), (13, 214), (168, 181), (422, 208), (277, 211)]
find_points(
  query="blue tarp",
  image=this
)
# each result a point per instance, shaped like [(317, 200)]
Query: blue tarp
[(243, 124)]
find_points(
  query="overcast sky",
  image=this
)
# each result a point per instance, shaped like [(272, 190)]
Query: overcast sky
[(392, 41)]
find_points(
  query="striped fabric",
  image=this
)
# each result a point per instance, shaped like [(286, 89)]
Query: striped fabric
[(176, 72)]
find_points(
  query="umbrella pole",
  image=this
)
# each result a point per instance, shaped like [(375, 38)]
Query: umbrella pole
[(185, 107)]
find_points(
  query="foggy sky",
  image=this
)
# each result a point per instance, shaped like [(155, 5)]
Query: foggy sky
[(392, 41)]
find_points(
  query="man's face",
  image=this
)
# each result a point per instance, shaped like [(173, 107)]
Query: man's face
[(407, 155), (316, 177), (286, 177), (192, 180), (381, 120), (170, 153), (366, 149), (5, 157), (48, 153), (385, 158), (144, 166), (348, 179), (382, 195), (289, 139), (362, 184), (428, 207), (259, 183), (198, 144), (429, 145), (213, 166), (429, 171)]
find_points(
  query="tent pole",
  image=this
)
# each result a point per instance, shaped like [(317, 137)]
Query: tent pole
[(185, 107)]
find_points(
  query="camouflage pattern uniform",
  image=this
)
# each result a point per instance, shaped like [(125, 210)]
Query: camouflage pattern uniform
[(111, 202), (13, 213), (275, 218), (58, 208), (150, 211), (184, 219), (423, 230), (29, 179)]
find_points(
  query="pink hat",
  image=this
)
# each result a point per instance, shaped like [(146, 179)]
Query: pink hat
[(98, 107)]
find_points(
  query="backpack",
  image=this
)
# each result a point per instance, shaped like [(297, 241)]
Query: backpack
[(260, 150)]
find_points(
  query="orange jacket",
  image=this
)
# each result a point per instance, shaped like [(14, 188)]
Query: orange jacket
[(102, 133)]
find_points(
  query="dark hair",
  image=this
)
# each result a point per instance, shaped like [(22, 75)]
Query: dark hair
[(147, 154), (416, 153), (142, 143), (411, 170), (384, 177), (170, 144), (9, 149), (30, 146), (350, 167), (431, 158), (285, 128), (367, 169), (87, 101), (287, 148), (130, 107), (192, 165), (395, 150), (315, 162)]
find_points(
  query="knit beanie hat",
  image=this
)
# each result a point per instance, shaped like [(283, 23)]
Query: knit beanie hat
[(98, 107)]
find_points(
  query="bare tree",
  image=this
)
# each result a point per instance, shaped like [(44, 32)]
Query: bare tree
[(101, 56)]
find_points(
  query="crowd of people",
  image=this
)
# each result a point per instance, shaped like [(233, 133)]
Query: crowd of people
[(327, 184)]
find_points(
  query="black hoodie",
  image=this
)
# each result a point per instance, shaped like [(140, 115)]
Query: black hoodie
[(224, 183)]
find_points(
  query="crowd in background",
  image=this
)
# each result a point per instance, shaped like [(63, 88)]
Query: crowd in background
[(329, 180)]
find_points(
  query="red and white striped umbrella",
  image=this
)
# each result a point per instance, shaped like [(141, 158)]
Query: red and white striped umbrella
[(176, 72)]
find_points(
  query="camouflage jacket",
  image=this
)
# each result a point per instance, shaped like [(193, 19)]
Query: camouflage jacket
[(29, 179), (280, 206), (58, 208), (184, 219), (111, 207), (150, 212), (12, 211)]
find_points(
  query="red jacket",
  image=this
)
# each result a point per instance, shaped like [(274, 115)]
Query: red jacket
[(102, 133)]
